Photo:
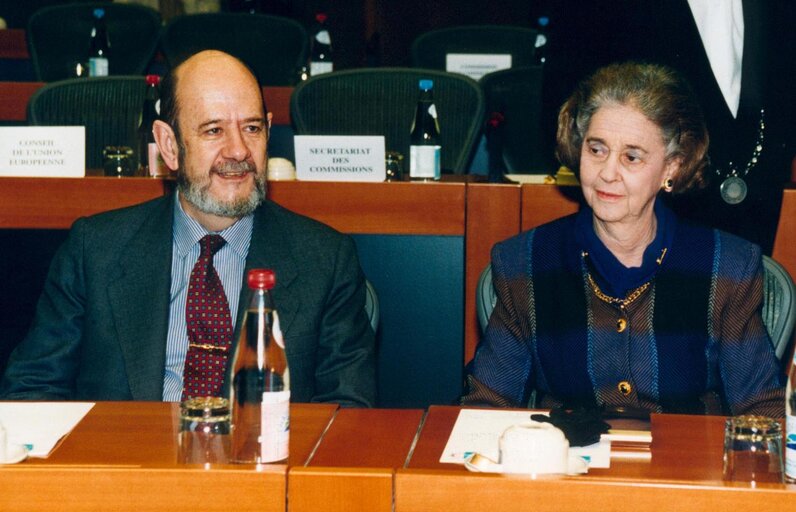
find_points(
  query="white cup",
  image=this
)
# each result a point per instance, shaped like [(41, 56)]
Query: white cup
[(534, 448), (281, 169)]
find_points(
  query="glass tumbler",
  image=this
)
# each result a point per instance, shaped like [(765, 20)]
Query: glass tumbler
[(753, 450), (204, 431), (118, 161), (394, 164)]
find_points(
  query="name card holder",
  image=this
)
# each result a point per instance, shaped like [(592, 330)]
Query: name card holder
[(340, 158), (43, 151), (476, 65)]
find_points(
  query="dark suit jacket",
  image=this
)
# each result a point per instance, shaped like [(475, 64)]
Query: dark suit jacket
[(588, 35), (102, 320)]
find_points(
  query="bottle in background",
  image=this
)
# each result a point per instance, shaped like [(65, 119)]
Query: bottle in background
[(321, 43), (99, 49), (790, 425), (260, 389), (540, 47), (150, 163), (424, 144)]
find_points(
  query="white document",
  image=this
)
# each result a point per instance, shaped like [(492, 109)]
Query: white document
[(340, 158), (476, 65), (43, 151), (479, 430), (40, 425)]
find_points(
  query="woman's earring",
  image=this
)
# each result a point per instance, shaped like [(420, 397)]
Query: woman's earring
[(668, 185)]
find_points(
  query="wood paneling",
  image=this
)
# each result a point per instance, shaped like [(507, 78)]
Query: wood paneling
[(544, 203), (377, 208), (340, 490), (13, 44), (55, 203), (492, 216)]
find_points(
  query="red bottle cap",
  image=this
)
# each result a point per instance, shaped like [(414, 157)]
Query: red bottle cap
[(320, 17), (152, 79), (261, 279)]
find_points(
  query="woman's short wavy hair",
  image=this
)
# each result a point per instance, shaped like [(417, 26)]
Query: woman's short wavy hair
[(661, 95)]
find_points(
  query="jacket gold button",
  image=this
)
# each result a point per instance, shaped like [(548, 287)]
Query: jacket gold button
[(625, 388), (621, 325)]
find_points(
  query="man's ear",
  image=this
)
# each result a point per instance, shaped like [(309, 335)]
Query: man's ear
[(167, 144)]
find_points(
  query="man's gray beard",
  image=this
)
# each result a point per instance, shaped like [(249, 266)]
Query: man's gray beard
[(199, 196)]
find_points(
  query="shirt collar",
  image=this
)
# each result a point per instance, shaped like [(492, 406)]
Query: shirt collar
[(188, 232)]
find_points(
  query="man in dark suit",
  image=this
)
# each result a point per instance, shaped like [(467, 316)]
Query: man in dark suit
[(588, 35), (110, 324)]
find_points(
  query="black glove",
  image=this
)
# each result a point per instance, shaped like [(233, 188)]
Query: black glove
[(581, 427)]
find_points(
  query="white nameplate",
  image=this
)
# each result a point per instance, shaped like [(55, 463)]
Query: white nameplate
[(476, 65), (339, 158), (43, 151)]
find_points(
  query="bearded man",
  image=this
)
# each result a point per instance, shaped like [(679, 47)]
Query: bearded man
[(114, 320)]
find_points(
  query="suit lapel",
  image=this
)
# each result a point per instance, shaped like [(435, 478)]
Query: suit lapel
[(139, 302), (270, 247)]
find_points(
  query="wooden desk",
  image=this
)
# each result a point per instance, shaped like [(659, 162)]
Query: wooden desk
[(353, 467), (14, 98), (684, 474), (123, 456)]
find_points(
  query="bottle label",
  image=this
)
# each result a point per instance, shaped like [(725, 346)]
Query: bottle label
[(319, 68), (424, 162), (157, 167), (323, 37), (275, 435), (97, 66), (790, 448)]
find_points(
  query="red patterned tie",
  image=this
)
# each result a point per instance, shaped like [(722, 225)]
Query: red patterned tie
[(209, 325)]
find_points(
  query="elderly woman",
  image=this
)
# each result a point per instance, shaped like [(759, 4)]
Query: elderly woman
[(623, 304)]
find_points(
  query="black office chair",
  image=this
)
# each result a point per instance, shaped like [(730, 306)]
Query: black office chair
[(514, 129), (109, 108), (382, 101), (274, 47), (430, 50), (59, 37)]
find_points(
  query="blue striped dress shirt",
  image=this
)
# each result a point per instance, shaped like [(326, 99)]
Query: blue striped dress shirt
[(230, 263)]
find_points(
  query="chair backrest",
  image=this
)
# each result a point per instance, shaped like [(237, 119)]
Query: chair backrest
[(514, 101), (382, 101), (372, 305), (779, 302), (59, 37), (274, 47), (109, 107), (431, 49)]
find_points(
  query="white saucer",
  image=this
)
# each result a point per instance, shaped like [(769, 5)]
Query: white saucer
[(15, 453)]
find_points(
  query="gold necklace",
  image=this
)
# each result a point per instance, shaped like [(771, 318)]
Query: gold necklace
[(622, 303)]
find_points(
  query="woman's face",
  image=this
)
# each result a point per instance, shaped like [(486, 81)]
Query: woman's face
[(623, 165)]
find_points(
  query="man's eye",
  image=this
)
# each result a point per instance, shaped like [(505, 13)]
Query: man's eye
[(254, 128), (213, 131)]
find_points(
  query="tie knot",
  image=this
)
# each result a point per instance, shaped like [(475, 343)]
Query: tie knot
[(210, 244)]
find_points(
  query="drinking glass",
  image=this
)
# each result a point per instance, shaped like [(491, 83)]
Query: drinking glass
[(204, 431), (394, 164), (118, 161), (753, 450)]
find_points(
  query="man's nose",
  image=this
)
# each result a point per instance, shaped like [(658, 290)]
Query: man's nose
[(236, 147)]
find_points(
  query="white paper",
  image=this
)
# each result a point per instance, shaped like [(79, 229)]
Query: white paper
[(340, 158), (476, 65), (479, 430), (43, 151), (40, 425)]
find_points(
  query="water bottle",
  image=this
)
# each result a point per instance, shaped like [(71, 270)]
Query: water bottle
[(99, 49), (540, 46), (260, 388), (321, 55), (424, 144)]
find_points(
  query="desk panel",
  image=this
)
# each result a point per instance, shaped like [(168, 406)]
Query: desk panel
[(353, 466), (684, 473), (123, 456)]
